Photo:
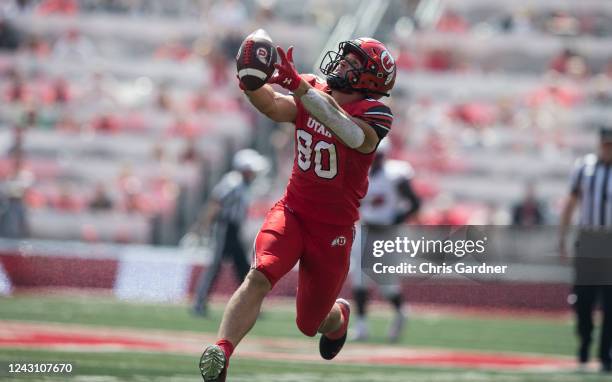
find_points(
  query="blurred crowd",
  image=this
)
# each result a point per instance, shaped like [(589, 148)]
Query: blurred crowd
[(147, 144), (495, 94), (38, 103), (174, 95), (528, 19)]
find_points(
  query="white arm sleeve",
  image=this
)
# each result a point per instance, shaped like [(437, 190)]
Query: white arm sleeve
[(332, 118)]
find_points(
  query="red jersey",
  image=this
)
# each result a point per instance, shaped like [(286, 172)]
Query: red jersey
[(329, 178)]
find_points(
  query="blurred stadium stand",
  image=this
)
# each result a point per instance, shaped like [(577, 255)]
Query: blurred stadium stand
[(139, 96)]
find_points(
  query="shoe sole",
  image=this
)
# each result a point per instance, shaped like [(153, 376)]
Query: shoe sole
[(212, 363)]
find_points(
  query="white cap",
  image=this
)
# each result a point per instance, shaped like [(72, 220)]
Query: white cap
[(249, 160)]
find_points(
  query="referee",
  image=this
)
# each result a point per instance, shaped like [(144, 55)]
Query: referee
[(591, 191), (224, 215)]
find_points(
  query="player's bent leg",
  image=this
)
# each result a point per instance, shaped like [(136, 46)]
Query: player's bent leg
[(316, 300), (323, 270), (332, 322), (243, 307), (310, 326), (238, 319), (276, 251), (335, 330), (213, 364)]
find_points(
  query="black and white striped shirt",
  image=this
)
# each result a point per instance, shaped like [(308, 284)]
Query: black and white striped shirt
[(232, 193), (592, 183)]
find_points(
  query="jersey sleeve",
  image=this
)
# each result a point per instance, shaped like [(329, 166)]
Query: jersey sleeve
[(379, 117)]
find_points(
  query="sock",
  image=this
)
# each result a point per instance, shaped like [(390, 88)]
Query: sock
[(227, 347), (338, 333), (361, 297)]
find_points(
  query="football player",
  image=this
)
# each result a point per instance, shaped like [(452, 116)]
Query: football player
[(389, 202), (339, 123)]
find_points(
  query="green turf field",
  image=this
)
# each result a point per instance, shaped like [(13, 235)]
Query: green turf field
[(148, 367), (521, 335)]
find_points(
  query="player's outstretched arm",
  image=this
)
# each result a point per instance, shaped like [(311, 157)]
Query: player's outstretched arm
[(276, 106), (327, 111), (353, 132)]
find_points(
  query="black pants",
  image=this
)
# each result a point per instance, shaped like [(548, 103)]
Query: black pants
[(227, 244), (586, 300)]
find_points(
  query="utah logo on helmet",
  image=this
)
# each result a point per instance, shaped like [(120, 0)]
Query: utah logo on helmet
[(375, 77)]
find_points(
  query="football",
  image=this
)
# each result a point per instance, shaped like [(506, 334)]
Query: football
[(255, 60)]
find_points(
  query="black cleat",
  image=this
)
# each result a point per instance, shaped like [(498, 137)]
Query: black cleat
[(329, 348), (213, 365)]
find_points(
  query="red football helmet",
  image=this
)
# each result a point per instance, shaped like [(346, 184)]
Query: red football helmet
[(376, 75)]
